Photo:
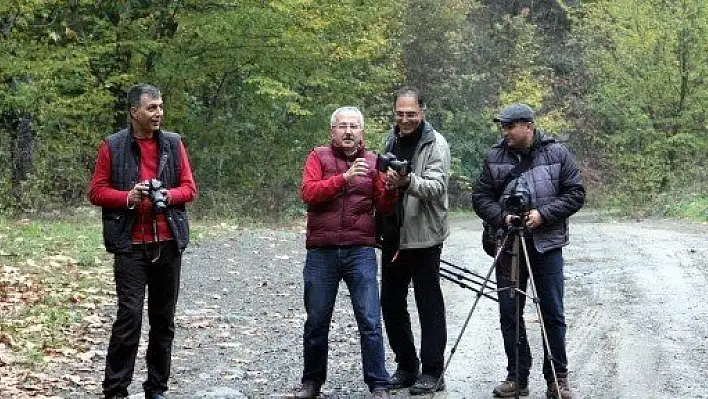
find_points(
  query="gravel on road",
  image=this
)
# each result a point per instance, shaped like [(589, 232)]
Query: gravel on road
[(635, 310)]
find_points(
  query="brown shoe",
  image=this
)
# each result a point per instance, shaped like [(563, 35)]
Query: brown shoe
[(507, 389), (308, 390), (562, 391)]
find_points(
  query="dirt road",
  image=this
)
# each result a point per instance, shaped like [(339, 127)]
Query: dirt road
[(635, 307)]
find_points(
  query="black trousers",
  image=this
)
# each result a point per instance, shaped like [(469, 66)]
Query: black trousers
[(422, 266), (547, 269), (134, 272)]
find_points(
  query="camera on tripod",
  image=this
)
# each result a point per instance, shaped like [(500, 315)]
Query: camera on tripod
[(518, 202), (389, 160), (158, 198)]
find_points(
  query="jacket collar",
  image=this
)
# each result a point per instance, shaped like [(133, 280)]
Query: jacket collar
[(540, 139), (427, 134), (339, 153)]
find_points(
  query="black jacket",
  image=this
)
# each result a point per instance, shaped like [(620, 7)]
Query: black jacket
[(553, 180), (125, 161)]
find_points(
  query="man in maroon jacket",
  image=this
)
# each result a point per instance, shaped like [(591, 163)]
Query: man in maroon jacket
[(341, 188), (142, 182)]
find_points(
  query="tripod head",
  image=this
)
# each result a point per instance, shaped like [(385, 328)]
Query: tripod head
[(517, 223)]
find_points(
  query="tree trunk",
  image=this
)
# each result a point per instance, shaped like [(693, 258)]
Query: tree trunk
[(21, 139)]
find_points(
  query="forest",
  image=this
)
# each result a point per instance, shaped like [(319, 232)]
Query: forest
[(250, 85)]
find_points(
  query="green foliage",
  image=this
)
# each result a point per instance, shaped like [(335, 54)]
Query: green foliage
[(63, 64), (648, 61), (437, 44), (694, 207), (267, 79), (532, 77), (473, 64), (251, 85)]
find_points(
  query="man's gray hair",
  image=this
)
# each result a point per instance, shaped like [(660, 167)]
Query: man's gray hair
[(137, 91), (347, 110)]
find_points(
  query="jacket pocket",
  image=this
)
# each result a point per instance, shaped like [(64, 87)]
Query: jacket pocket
[(114, 227), (179, 222)]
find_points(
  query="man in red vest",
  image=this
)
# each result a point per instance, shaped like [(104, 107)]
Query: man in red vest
[(342, 188)]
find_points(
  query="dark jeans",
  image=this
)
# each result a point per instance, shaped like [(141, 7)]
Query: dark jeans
[(324, 269), (422, 266), (133, 272), (547, 271)]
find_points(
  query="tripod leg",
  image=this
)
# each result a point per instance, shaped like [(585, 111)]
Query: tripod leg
[(514, 278), (479, 295), (544, 334)]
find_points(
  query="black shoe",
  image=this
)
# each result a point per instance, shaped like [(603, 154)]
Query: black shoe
[(428, 384), (117, 396), (308, 390), (155, 395), (402, 379)]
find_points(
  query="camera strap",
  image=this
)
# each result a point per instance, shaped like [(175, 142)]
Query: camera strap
[(523, 165)]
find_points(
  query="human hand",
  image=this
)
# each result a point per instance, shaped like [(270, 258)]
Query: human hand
[(358, 168), (166, 193), (395, 179), (533, 219), (136, 194)]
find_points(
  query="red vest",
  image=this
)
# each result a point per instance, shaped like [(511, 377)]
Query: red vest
[(349, 218)]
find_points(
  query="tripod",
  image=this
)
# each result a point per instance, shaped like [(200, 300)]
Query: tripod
[(516, 235)]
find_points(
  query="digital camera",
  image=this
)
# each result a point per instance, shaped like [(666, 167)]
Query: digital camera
[(518, 201), (158, 198), (389, 160)]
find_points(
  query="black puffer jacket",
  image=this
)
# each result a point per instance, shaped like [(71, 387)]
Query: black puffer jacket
[(554, 182)]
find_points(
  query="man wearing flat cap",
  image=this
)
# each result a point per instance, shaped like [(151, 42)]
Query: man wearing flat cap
[(528, 159)]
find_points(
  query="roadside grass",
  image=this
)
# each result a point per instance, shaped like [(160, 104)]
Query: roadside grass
[(690, 205), (53, 273), (695, 209)]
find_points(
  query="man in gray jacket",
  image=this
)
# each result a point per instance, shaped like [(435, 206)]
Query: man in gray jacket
[(552, 181), (411, 245)]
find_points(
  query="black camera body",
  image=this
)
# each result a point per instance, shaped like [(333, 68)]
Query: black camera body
[(389, 160), (159, 200), (517, 204), (518, 201)]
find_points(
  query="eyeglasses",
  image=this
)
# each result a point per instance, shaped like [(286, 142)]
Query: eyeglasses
[(408, 114), (345, 126)]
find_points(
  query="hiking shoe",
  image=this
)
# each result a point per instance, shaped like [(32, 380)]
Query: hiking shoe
[(308, 390), (380, 393), (427, 384), (507, 389), (562, 391), (402, 379)]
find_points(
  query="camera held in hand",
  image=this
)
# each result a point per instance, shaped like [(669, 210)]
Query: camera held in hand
[(389, 160), (158, 198)]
